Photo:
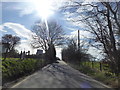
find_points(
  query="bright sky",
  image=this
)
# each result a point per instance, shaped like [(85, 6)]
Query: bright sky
[(19, 17)]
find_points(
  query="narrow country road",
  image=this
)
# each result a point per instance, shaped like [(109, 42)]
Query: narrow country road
[(58, 75)]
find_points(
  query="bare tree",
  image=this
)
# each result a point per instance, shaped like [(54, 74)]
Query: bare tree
[(9, 42), (72, 54), (47, 35), (102, 20)]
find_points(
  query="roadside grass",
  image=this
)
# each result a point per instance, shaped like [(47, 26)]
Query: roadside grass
[(14, 68), (104, 76)]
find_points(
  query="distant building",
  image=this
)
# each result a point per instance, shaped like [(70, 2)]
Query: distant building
[(2, 48), (27, 53), (39, 52)]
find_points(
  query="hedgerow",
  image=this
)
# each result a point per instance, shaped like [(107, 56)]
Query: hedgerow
[(13, 68)]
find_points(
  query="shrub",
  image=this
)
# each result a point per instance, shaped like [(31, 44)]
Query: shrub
[(108, 74), (15, 68), (100, 76)]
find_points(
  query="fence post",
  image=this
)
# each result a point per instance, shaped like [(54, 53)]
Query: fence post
[(92, 64), (100, 66)]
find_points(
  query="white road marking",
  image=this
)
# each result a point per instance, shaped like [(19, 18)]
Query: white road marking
[(23, 80)]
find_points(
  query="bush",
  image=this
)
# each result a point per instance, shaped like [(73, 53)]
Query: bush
[(100, 76), (105, 76), (108, 74), (15, 68), (87, 70)]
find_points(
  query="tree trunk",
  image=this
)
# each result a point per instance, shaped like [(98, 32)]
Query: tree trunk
[(113, 54), (5, 55)]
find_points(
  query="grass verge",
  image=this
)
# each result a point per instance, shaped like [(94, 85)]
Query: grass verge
[(105, 77), (13, 68)]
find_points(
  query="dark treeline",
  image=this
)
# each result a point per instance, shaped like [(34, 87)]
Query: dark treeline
[(73, 54)]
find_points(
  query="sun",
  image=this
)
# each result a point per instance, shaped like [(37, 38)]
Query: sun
[(43, 8)]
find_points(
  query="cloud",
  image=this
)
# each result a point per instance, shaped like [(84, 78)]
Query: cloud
[(84, 39), (2, 28), (83, 34), (19, 29), (98, 54), (26, 11), (24, 45), (27, 7), (27, 47), (24, 33), (23, 9)]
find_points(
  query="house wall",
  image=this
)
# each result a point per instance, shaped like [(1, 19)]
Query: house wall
[(2, 49)]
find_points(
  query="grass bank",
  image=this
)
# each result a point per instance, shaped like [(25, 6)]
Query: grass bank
[(14, 68), (104, 76)]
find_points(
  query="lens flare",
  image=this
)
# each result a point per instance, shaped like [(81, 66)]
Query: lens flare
[(43, 8)]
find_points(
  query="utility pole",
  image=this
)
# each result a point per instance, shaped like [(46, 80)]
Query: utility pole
[(79, 46), (78, 40)]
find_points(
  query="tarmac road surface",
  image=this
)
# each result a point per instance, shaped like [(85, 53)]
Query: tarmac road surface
[(58, 75)]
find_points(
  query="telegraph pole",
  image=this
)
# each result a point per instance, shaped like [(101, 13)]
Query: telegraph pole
[(78, 40), (79, 46)]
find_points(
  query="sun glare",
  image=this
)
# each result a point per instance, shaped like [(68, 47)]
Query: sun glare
[(43, 8)]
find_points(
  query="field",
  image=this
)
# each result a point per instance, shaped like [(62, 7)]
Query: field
[(99, 72), (13, 68)]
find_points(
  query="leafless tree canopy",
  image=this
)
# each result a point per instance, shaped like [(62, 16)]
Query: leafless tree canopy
[(9, 41), (46, 33), (72, 53), (102, 19)]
